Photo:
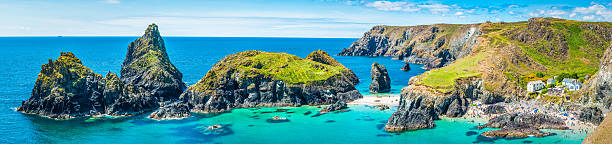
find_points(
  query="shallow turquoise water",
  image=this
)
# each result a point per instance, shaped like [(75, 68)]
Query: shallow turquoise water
[(21, 58)]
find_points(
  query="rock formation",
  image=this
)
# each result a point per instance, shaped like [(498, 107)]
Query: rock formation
[(599, 88), (522, 125), (433, 45), (494, 109), (261, 79), (334, 107), (176, 110), (381, 83), (67, 89), (406, 67), (591, 114)]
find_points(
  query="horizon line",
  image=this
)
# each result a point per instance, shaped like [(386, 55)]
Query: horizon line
[(7, 36)]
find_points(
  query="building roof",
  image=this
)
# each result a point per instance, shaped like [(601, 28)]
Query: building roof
[(536, 82)]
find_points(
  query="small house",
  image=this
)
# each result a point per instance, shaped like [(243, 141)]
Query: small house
[(533, 86), (572, 84)]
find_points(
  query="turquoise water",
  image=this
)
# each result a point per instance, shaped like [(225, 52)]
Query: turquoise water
[(21, 58)]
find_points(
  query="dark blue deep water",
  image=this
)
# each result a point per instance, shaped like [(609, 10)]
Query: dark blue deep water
[(21, 58)]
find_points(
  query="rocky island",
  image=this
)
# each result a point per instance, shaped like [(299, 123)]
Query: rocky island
[(265, 79), (66, 89)]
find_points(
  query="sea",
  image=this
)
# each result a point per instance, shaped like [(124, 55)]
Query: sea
[(21, 58)]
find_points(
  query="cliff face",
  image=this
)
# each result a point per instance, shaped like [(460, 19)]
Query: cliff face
[(66, 89), (433, 45), (261, 79), (599, 88)]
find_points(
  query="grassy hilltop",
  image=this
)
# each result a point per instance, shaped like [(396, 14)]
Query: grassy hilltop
[(511, 54)]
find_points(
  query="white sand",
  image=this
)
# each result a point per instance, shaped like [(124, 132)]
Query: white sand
[(382, 99)]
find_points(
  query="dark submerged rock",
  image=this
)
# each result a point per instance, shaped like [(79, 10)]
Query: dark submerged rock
[(381, 83)]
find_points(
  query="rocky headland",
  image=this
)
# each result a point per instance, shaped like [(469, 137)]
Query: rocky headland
[(381, 83), (265, 79), (433, 45)]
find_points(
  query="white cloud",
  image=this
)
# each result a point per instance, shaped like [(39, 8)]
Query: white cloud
[(436, 8), (393, 6), (459, 13), (572, 15), (513, 6), (556, 12), (112, 1), (511, 12), (595, 9), (588, 17), (470, 11)]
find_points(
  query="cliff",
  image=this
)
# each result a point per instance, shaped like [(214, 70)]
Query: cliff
[(505, 57), (381, 83), (433, 45), (599, 88), (264, 79)]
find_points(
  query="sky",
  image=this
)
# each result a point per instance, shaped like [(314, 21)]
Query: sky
[(271, 18)]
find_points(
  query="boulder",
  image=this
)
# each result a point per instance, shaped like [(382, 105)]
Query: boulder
[(591, 114), (406, 67), (334, 107), (175, 110), (381, 83)]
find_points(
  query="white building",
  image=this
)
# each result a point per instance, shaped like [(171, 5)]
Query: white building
[(533, 86), (572, 84)]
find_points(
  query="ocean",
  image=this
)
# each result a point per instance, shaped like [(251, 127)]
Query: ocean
[(22, 57)]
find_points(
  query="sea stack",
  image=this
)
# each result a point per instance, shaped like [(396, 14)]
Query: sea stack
[(381, 83), (406, 67), (265, 79)]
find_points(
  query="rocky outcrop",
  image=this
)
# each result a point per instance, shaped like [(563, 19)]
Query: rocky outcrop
[(334, 107), (514, 125), (381, 83), (591, 114), (599, 88), (264, 79), (176, 110), (601, 134), (406, 67), (494, 109), (433, 45), (65, 89), (148, 74)]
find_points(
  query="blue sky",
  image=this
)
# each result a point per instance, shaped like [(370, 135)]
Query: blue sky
[(270, 18)]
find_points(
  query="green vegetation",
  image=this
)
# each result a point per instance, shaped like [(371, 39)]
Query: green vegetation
[(549, 47), (443, 79), (280, 66)]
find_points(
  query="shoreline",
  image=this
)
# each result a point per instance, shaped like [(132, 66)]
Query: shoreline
[(390, 100)]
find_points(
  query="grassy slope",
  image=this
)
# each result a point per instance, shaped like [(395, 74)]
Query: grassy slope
[(583, 57), (281, 66)]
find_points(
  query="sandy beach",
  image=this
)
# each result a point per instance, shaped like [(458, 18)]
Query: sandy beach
[(390, 100)]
